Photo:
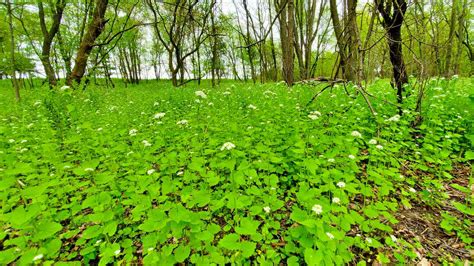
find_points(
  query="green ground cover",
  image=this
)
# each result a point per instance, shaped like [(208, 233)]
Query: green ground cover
[(240, 173)]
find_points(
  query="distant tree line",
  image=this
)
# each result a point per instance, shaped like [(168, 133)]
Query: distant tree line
[(256, 41)]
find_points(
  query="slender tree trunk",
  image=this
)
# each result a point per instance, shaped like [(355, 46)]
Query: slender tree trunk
[(16, 85), (338, 31), (48, 36), (248, 41), (393, 25), (460, 35), (213, 50), (452, 29), (353, 42), (272, 47), (64, 54), (287, 24), (94, 29)]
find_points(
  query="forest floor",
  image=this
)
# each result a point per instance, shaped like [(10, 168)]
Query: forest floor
[(151, 174)]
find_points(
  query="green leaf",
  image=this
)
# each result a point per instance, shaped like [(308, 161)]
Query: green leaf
[(370, 212), (463, 208), (312, 257), (92, 232), (181, 253), (230, 241), (247, 248), (110, 228), (7, 256), (53, 247), (46, 229), (248, 226), (469, 155)]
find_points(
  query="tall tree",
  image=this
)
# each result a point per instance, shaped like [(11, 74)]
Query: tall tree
[(347, 38), (248, 40), (305, 35), (16, 85), (173, 33), (452, 29), (94, 29), (393, 12), (286, 19), (48, 36)]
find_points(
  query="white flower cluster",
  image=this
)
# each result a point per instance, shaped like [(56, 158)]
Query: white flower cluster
[(313, 115), (200, 94), (331, 236), (228, 146), (356, 134), (133, 132), (318, 209), (182, 122), (151, 171), (268, 92), (394, 118), (146, 143), (38, 257), (159, 115)]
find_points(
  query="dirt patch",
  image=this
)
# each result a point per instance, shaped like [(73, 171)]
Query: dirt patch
[(421, 224)]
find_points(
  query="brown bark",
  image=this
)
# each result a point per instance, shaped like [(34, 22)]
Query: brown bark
[(392, 23), (214, 52), (173, 36), (48, 36), (452, 29), (16, 85), (65, 54), (353, 42), (94, 29), (248, 41), (287, 25), (272, 47), (305, 35), (338, 31), (460, 34), (347, 38)]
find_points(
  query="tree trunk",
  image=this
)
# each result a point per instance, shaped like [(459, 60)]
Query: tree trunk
[(353, 42), (94, 29), (393, 25), (213, 50), (249, 41), (272, 47), (396, 58), (347, 38), (16, 85), (338, 31), (287, 24), (64, 54), (48, 36), (452, 29)]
